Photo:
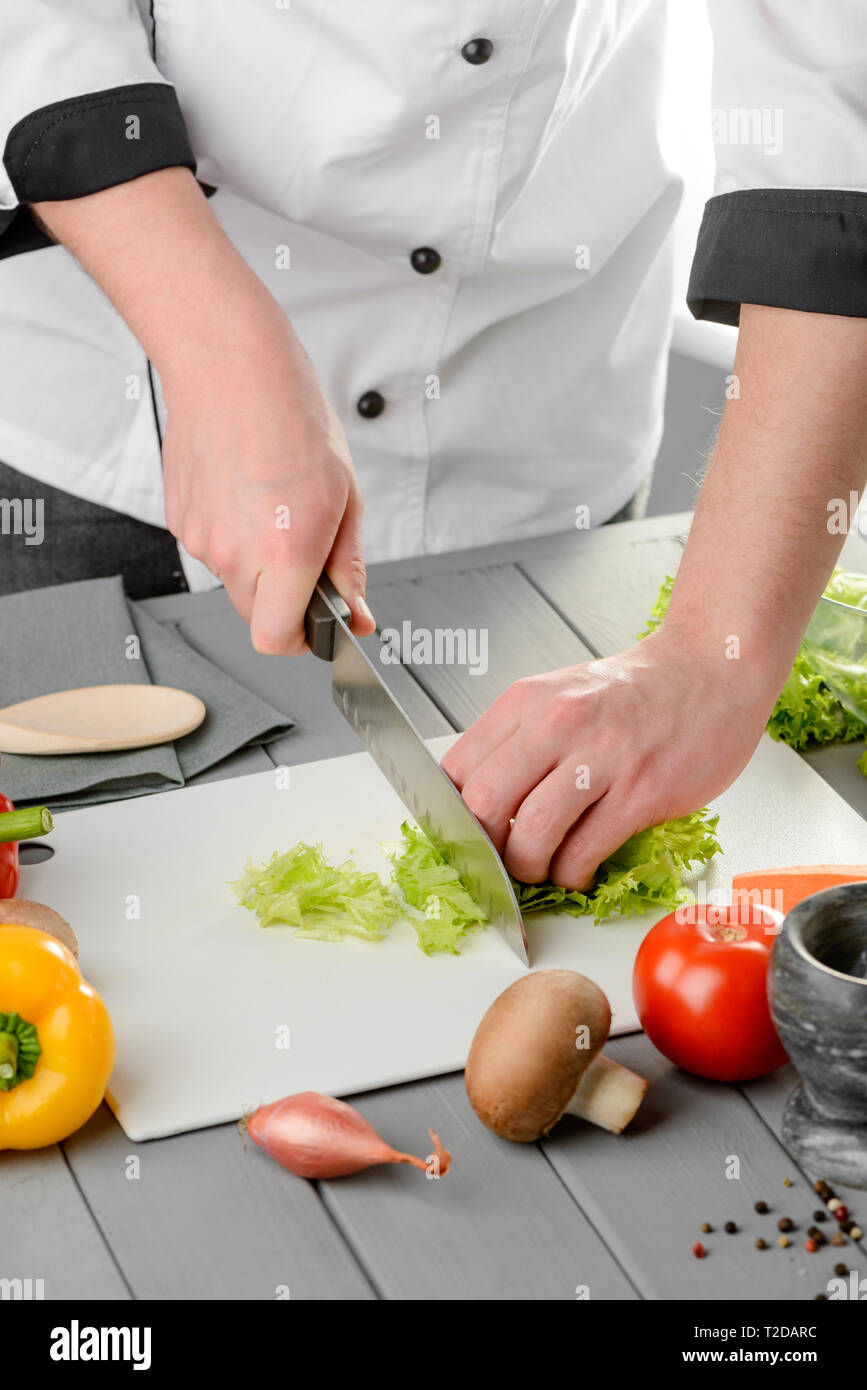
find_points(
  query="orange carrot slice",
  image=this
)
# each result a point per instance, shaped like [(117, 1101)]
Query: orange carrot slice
[(783, 888)]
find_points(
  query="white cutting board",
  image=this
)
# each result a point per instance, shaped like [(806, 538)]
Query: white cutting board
[(204, 1000)]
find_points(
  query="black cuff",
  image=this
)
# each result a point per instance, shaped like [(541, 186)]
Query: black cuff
[(18, 233), (790, 248), (86, 143)]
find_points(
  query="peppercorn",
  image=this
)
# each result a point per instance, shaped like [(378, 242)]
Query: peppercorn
[(841, 1213), (838, 1239), (822, 1295), (730, 1227), (849, 1226), (783, 1241), (706, 1227), (761, 1244), (698, 1250), (762, 1208), (785, 1223), (815, 1234), (841, 1269), (820, 1216), (819, 1184), (834, 1204), (811, 1246), (855, 1232)]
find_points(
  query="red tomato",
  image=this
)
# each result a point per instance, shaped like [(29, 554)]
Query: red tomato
[(699, 986), (8, 859)]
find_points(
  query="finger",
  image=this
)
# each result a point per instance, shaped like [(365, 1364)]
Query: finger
[(283, 592), (345, 566), (496, 788), (606, 826), (481, 739), (543, 820)]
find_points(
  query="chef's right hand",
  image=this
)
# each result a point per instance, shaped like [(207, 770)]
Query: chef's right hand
[(258, 478), (259, 482)]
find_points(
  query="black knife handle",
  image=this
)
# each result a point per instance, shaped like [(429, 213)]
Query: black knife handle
[(319, 621)]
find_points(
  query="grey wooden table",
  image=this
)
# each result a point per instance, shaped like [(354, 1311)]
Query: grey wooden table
[(206, 1218)]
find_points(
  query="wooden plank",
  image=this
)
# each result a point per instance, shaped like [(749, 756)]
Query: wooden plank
[(521, 552), (606, 594), (648, 1191), (498, 1226), (523, 635), (49, 1233), (206, 1218)]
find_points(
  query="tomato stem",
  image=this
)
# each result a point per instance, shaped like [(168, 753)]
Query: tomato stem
[(728, 931)]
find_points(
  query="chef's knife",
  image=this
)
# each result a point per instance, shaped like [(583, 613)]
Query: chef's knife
[(399, 751)]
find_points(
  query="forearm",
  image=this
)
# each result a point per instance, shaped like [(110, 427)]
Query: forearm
[(157, 250), (763, 540)]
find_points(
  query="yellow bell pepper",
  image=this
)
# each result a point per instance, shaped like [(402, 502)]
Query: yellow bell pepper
[(56, 1041)]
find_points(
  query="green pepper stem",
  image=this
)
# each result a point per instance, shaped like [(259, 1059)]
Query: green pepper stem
[(26, 824), (9, 1049), (19, 1050)]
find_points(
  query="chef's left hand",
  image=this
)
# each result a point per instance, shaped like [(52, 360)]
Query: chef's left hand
[(565, 766)]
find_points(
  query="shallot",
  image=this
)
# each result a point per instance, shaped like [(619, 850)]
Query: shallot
[(316, 1136)]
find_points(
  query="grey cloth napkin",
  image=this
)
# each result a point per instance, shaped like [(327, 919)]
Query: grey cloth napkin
[(88, 633)]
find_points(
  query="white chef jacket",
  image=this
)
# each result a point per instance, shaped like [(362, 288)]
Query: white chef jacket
[(488, 391)]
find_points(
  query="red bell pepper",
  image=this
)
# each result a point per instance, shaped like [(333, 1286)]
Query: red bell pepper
[(15, 826)]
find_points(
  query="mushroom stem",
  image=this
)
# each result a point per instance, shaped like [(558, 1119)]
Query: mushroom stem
[(608, 1095)]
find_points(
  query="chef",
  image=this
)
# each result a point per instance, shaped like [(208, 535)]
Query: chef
[(420, 255)]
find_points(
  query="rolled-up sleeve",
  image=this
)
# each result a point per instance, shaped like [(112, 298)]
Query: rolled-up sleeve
[(82, 107), (787, 225)]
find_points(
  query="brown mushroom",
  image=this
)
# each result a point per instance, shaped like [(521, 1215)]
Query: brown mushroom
[(536, 1056), (22, 912)]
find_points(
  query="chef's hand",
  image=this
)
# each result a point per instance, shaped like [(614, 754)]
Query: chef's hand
[(669, 724), (565, 766), (259, 481)]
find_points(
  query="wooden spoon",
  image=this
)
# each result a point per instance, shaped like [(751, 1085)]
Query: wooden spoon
[(97, 718)]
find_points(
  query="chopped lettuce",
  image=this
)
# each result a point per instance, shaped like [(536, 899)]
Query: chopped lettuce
[(322, 902), (433, 887), (807, 711), (301, 889), (646, 872)]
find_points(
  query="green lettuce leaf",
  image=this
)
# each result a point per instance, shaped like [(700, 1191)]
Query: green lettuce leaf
[(646, 872), (323, 902), (807, 712), (433, 887)]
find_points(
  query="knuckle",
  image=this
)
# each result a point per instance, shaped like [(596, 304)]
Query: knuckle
[(222, 548), (481, 798), (560, 714), (193, 542)]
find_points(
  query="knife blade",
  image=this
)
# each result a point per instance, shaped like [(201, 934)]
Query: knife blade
[(399, 751)]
